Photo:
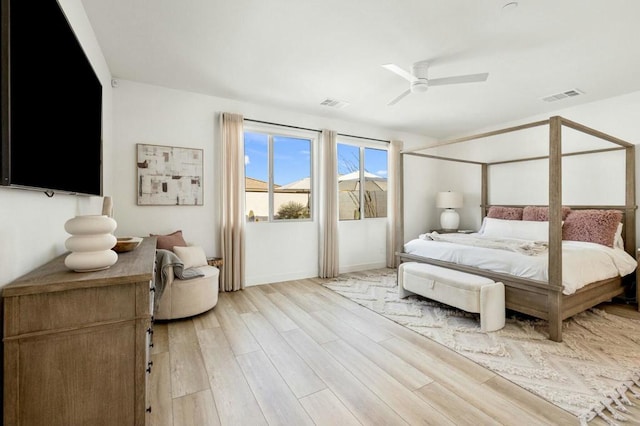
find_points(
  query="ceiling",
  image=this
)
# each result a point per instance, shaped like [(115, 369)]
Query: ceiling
[(294, 54)]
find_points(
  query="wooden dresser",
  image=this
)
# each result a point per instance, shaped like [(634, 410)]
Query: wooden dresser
[(76, 344)]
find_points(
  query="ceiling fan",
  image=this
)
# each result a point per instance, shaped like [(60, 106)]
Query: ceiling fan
[(420, 82)]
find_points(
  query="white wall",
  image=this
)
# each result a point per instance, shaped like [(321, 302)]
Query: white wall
[(32, 225), (424, 178), (593, 179), (281, 251), (362, 244), (421, 182), (275, 251)]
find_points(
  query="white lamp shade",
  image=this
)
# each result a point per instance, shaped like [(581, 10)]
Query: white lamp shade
[(449, 200)]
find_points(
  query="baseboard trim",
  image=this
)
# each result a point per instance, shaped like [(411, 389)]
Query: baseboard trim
[(270, 279), (361, 267)]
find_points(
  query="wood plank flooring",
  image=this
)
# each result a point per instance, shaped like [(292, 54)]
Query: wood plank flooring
[(296, 353)]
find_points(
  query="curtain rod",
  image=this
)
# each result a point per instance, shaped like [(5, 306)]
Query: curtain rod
[(282, 125), (312, 130)]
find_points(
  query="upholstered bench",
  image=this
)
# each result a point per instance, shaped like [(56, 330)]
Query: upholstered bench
[(462, 290)]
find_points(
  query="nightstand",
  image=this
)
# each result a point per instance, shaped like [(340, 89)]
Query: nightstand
[(443, 231), (215, 261), (448, 231)]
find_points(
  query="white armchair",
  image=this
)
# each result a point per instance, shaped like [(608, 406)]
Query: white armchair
[(181, 295), (185, 298)]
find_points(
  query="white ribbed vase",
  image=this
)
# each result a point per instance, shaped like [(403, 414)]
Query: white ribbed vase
[(90, 243)]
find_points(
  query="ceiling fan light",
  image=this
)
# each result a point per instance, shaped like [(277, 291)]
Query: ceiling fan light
[(419, 86)]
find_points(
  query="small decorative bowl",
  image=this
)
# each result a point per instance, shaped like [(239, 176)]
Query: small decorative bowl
[(124, 244)]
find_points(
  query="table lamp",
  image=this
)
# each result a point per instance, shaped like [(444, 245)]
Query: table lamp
[(449, 201)]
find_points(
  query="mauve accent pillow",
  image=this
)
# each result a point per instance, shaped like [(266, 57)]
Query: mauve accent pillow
[(593, 226), (541, 214), (506, 213), (169, 241)]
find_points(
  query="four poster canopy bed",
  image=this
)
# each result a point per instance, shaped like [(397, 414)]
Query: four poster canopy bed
[(568, 276)]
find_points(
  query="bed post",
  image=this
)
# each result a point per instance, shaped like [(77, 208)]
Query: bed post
[(400, 220), (630, 225), (554, 298), (484, 191), (630, 211)]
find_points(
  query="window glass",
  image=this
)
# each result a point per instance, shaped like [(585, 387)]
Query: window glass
[(291, 178), (348, 182), (375, 187), (362, 182), (277, 177), (256, 169)]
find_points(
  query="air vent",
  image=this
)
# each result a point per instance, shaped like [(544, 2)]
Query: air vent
[(567, 94), (334, 103)]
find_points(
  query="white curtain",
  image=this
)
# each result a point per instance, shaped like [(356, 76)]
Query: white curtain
[(328, 259), (232, 232), (394, 214)]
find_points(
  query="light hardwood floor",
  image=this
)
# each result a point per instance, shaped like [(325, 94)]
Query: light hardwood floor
[(296, 353)]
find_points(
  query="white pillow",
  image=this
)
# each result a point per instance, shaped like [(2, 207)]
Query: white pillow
[(191, 256), (618, 242), (522, 229), (484, 220)]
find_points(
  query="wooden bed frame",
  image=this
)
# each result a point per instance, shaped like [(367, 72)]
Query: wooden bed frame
[(533, 297)]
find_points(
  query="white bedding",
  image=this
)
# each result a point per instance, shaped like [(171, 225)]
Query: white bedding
[(582, 263)]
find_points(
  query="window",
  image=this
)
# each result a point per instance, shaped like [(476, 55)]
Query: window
[(277, 177), (362, 182)]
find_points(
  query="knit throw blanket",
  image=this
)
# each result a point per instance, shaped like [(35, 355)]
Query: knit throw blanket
[(164, 259), (529, 248)]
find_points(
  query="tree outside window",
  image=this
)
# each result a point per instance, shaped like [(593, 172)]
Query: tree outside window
[(362, 182)]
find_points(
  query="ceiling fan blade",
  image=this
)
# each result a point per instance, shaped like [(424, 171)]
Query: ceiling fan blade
[(470, 78), (397, 70), (399, 98)]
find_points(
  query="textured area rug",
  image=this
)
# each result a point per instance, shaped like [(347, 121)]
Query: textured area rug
[(594, 371)]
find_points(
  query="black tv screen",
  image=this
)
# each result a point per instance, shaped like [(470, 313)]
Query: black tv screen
[(51, 103)]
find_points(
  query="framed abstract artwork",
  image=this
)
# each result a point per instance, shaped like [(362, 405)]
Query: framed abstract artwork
[(169, 176)]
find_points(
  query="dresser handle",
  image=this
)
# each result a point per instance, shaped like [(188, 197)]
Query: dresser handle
[(148, 410), (152, 289), (150, 330)]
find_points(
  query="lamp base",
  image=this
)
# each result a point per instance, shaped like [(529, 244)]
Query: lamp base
[(449, 220)]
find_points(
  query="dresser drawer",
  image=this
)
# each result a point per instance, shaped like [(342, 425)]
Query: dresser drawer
[(69, 309)]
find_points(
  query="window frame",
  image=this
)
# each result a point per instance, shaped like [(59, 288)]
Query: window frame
[(362, 146), (278, 131)]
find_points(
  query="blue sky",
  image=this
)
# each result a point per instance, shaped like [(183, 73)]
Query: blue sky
[(291, 158)]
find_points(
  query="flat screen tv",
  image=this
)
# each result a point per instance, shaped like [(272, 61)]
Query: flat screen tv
[(51, 103)]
